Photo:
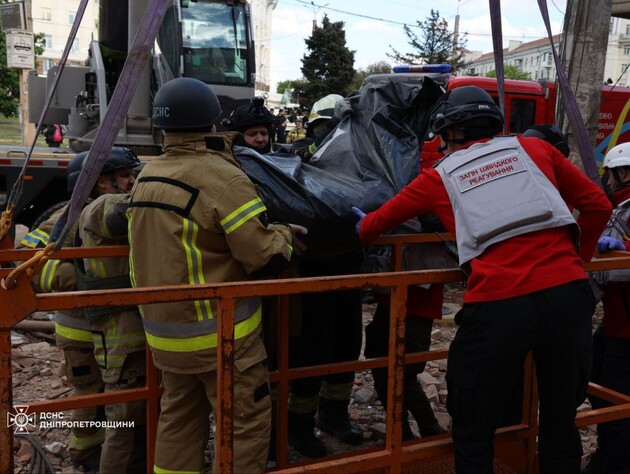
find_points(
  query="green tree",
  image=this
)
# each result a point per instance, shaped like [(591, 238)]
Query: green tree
[(328, 65), (9, 82), (434, 45), (510, 72), (379, 67)]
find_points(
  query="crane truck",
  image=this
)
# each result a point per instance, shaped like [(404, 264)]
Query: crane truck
[(210, 40)]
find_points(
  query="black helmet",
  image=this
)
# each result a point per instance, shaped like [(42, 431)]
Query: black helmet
[(119, 158), (247, 116), (185, 105), (551, 134), (463, 104)]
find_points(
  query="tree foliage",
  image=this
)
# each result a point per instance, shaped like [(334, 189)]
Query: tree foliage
[(433, 45), (379, 67), (510, 72), (9, 82), (297, 89), (328, 65)]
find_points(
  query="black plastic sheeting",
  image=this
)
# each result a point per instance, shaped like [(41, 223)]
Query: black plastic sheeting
[(367, 159)]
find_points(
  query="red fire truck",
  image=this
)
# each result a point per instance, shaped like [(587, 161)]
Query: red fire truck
[(528, 103)]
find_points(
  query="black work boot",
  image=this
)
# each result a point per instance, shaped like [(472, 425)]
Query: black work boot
[(332, 417), (302, 435)]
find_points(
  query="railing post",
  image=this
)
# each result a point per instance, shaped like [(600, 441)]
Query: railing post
[(224, 440), (6, 389), (395, 372)]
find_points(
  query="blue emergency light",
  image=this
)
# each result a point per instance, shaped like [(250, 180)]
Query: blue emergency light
[(438, 68)]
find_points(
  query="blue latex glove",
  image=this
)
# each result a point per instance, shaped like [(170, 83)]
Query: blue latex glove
[(361, 215), (605, 244)]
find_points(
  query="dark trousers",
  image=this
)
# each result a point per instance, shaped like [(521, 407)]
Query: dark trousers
[(611, 369), (485, 360), (417, 339), (332, 329), (331, 332)]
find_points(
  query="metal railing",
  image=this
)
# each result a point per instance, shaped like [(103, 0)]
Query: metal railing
[(514, 446)]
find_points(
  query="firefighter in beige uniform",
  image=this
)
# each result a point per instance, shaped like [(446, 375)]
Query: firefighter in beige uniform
[(73, 332), (118, 334), (196, 218)]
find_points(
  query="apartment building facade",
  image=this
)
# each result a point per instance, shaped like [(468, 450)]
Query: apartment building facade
[(536, 59)]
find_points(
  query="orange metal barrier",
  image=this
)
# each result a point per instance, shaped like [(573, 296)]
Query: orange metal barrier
[(515, 447)]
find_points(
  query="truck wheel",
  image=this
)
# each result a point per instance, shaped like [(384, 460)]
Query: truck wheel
[(47, 213)]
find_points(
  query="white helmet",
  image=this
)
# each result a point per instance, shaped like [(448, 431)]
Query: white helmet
[(618, 156), (324, 108)]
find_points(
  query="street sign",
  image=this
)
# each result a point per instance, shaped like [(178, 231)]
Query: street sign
[(12, 16), (20, 49)]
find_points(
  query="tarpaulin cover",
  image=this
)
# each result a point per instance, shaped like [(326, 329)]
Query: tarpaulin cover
[(367, 159)]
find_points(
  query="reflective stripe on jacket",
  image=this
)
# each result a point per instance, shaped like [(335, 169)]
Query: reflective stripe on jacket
[(121, 332), (196, 218)]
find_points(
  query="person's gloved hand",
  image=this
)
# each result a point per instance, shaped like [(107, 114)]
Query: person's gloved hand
[(298, 245), (361, 215), (606, 244), (343, 108)]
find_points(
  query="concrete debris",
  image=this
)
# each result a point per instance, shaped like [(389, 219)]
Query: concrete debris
[(365, 395)]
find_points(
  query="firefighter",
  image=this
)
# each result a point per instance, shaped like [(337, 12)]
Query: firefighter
[(611, 341), (504, 199), (321, 121), (255, 124), (195, 218), (118, 334), (296, 133), (72, 331)]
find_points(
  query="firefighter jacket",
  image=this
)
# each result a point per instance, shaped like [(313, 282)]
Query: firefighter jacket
[(296, 134), (58, 275), (196, 218), (522, 264), (115, 333), (497, 193), (616, 283)]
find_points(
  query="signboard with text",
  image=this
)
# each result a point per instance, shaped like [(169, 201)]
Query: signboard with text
[(12, 16), (20, 49)]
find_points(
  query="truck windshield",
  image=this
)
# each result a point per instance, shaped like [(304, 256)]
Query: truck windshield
[(215, 41)]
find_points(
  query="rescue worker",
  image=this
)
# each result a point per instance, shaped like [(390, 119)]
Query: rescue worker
[(118, 334), (611, 341), (423, 306), (332, 330), (321, 121), (255, 124), (72, 331), (195, 218), (296, 133), (505, 199)]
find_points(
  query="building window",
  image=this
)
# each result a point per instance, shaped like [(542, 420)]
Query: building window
[(71, 17), (628, 30), (75, 45), (624, 68), (48, 63), (48, 41), (46, 14), (626, 49)]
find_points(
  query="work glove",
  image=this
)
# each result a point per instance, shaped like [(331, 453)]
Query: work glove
[(361, 215), (606, 244), (343, 108), (298, 245)]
